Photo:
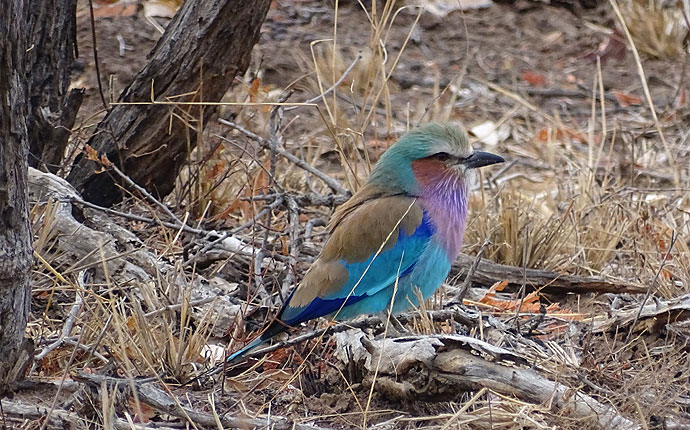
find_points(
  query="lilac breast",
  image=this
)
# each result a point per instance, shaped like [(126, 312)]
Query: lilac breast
[(446, 203)]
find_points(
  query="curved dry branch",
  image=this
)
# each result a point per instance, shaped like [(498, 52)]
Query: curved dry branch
[(438, 368)]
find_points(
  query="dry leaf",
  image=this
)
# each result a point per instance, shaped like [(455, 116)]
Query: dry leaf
[(104, 161), (161, 8), (560, 134), (142, 412), (612, 48), (534, 78), (254, 89), (489, 134), (91, 153), (626, 100)]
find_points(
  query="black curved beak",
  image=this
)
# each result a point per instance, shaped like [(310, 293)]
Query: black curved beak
[(480, 159)]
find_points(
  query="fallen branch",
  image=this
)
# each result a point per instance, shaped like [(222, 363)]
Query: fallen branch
[(488, 273), (102, 244), (60, 418), (438, 368), (163, 401), (462, 316), (651, 317)]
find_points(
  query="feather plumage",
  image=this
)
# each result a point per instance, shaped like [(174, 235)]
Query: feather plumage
[(397, 236)]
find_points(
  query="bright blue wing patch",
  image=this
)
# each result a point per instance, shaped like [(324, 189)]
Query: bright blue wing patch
[(381, 273)]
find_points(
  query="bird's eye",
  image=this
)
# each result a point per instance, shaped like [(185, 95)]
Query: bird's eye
[(442, 156)]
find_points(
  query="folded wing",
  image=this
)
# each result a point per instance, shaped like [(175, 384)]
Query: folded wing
[(374, 240)]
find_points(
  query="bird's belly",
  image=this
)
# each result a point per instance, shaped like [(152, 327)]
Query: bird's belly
[(427, 276)]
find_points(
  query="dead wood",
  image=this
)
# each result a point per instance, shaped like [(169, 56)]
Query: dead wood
[(163, 401), (53, 106), (488, 273), (439, 368), (20, 411), (204, 47), (459, 315), (96, 242), (652, 317)]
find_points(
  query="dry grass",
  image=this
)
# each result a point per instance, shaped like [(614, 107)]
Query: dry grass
[(594, 198), (659, 31)]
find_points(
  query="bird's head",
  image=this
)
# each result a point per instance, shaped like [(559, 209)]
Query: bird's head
[(429, 156)]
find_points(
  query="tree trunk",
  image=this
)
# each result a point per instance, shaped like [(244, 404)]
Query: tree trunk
[(206, 44), (53, 108), (15, 236)]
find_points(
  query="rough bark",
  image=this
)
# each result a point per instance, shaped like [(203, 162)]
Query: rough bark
[(206, 44), (53, 107), (441, 367), (15, 236), (488, 273)]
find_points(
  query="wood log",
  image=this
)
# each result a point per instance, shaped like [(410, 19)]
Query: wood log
[(97, 242), (205, 46), (162, 400), (651, 318), (441, 367), (488, 273)]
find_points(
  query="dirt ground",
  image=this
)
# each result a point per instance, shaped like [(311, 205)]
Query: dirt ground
[(537, 73)]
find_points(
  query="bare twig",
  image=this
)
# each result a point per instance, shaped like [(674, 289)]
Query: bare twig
[(179, 306), (330, 182), (66, 329), (139, 218), (276, 119), (75, 342), (307, 199), (95, 56), (69, 322), (314, 222), (146, 194), (295, 246), (266, 210), (334, 86), (470, 273), (651, 286)]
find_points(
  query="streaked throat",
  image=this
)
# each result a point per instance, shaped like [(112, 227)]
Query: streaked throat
[(443, 194)]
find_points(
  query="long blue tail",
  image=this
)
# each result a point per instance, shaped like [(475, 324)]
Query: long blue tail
[(274, 328), (235, 356)]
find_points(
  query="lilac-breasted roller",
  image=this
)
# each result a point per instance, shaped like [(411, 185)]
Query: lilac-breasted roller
[(400, 232)]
